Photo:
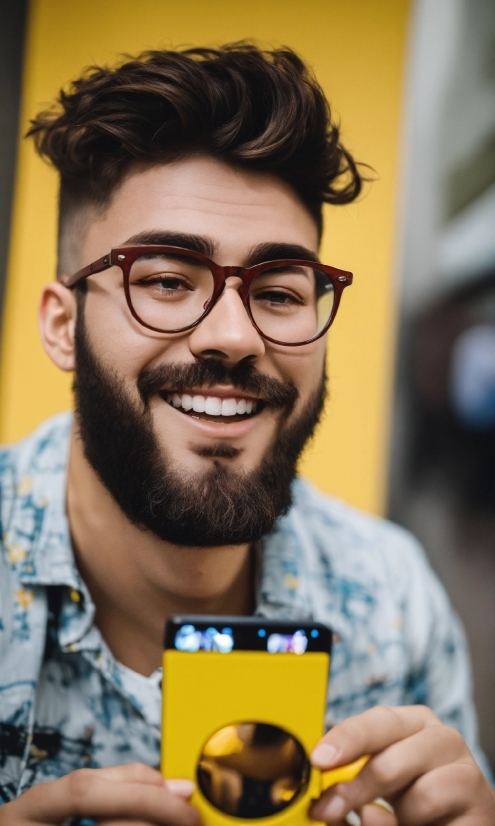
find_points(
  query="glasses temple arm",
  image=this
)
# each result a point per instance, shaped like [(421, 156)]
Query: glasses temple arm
[(101, 264)]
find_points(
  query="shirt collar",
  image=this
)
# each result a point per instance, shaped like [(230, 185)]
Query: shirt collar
[(284, 587), (40, 526), (38, 539)]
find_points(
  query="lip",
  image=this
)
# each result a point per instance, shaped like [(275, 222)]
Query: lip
[(221, 391), (219, 430)]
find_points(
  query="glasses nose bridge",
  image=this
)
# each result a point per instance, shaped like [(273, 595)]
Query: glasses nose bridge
[(237, 272)]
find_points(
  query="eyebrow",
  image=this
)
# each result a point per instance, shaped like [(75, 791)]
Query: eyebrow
[(196, 243), (275, 250), (269, 251)]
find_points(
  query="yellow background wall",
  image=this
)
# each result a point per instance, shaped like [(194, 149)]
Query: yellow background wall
[(357, 50)]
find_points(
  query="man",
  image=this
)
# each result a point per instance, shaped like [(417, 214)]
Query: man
[(190, 307)]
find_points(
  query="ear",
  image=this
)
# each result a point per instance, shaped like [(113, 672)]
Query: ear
[(57, 321)]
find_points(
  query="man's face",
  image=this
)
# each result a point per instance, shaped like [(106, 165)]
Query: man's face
[(242, 218)]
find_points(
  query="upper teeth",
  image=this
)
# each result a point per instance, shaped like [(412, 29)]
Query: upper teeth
[(212, 405)]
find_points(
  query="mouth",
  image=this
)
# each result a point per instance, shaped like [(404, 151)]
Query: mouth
[(213, 408)]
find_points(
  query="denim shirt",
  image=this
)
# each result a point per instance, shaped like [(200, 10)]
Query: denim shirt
[(67, 703)]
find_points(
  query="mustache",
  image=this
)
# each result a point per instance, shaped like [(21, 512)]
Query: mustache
[(181, 377)]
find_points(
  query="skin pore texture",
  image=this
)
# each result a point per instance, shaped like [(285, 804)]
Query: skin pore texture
[(136, 578)]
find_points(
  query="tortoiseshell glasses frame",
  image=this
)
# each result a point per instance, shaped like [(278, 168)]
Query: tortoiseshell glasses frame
[(124, 257)]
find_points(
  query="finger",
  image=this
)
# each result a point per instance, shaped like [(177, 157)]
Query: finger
[(86, 793), (369, 733), (374, 815), (133, 773), (371, 815), (180, 787), (123, 823), (394, 769), (458, 792), (140, 773)]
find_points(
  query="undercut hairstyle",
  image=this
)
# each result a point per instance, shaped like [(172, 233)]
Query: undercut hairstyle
[(258, 110)]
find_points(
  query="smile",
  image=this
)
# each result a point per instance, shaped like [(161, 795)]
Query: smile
[(214, 408)]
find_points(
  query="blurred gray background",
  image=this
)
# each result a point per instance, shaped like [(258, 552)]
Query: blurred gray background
[(442, 476)]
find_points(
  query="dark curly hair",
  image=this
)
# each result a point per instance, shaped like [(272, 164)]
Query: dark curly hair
[(259, 110)]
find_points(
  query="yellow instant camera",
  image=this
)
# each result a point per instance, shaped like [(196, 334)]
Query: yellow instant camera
[(243, 706)]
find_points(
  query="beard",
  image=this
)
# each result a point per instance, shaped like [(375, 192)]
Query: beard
[(221, 506)]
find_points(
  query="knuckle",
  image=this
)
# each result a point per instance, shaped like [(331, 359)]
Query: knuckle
[(429, 716), (437, 797), (388, 716), (388, 712), (384, 770), (80, 783), (141, 772), (344, 732), (349, 730), (464, 779), (452, 738), (466, 776), (432, 801)]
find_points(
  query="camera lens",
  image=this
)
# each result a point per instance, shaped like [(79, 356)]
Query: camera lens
[(251, 770)]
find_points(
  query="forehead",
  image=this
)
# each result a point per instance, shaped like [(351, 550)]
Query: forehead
[(236, 209)]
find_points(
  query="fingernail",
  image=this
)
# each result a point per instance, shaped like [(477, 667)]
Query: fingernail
[(334, 809), (324, 754), (182, 788)]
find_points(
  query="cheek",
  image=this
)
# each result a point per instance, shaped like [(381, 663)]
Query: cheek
[(117, 341), (303, 367)]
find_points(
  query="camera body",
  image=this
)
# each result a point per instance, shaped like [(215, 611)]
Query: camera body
[(244, 701)]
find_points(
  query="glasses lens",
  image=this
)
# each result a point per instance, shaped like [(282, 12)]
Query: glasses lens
[(252, 770), (291, 304), (169, 292)]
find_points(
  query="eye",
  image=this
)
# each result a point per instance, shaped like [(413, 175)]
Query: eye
[(277, 297), (166, 282)]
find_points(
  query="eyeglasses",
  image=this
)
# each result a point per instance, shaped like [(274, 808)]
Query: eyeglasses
[(171, 290)]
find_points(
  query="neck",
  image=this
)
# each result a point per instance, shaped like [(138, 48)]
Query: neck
[(137, 580)]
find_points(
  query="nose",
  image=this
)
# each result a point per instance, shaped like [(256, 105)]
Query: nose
[(227, 332)]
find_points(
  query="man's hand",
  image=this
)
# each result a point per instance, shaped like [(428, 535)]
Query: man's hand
[(134, 795), (422, 767)]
